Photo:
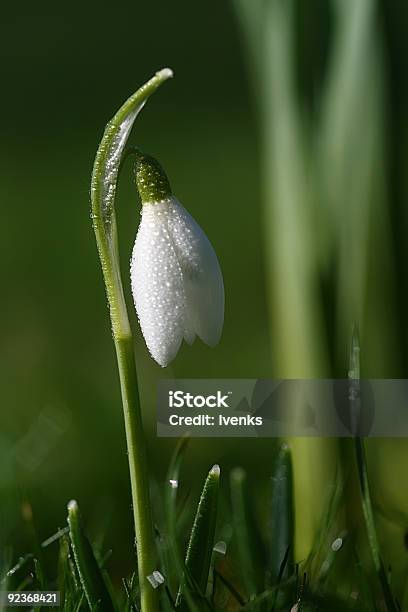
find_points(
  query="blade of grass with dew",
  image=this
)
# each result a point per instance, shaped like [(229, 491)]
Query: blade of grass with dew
[(200, 546), (103, 191), (17, 575), (170, 503), (333, 551), (248, 546), (40, 583), (64, 576), (320, 555), (354, 376), (279, 596), (370, 524), (366, 597), (165, 562), (281, 516), (170, 499), (131, 604), (91, 576), (167, 569), (69, 585)]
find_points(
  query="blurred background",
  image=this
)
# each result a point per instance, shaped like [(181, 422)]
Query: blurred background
[(285, 134)]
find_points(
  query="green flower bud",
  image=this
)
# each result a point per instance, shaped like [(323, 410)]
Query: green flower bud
[(151, 180)]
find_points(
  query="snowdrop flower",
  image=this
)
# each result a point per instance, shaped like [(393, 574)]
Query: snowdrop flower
[(176, 279)]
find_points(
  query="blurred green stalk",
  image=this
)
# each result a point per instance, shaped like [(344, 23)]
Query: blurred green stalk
[(325, 211), (350, 162), (299, 344), (103, 190)]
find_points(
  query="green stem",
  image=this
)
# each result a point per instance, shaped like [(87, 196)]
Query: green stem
[(145, 546), (103, 191)]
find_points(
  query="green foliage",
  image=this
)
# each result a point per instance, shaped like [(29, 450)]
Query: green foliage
[(281, 527), (326, 219), (91, 576), (250, 548), (200, 546), (234, 575)]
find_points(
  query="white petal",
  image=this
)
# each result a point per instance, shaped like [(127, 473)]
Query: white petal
[(203, 283), (157, 284)]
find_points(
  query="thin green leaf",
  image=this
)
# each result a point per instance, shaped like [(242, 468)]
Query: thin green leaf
[(248, 546), (103, 191), (281, 517), (55, 537), (200, 546), (354, 375), (64, 577), (79, 605), (172, 480), (370, 524), (132, 607), (171, 556), (17, 575), (91, 576), (170, 498), (282, 571)]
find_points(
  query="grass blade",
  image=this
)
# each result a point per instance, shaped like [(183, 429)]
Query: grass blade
[(199, 549), (131, 604), (172, 478), (281, 520), (370, 524), (354, 377), (91, 576), (245, 533), (170, 499)]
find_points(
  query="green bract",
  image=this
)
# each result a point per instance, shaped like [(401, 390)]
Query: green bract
[(151, 180)]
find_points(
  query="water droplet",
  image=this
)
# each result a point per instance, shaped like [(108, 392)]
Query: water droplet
[(220, 547), (337, 544)]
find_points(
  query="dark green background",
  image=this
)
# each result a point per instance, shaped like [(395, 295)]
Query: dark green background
[(65, 71)]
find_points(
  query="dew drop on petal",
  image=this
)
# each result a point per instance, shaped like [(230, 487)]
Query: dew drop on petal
[(176, 281)]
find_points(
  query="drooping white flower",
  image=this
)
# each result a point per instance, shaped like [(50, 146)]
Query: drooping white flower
[(176, 279)]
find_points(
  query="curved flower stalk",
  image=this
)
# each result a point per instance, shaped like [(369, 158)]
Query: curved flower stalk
[(103, 191), (176, 279)]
